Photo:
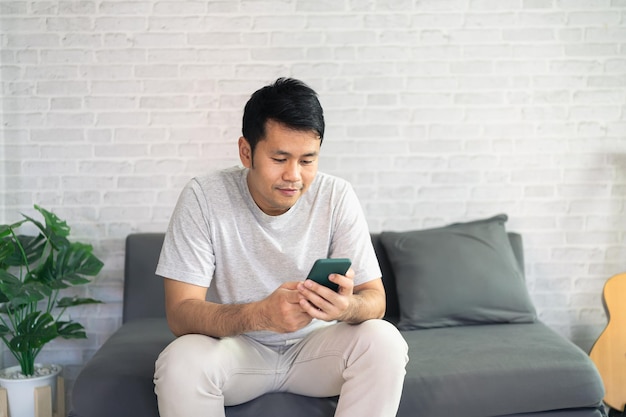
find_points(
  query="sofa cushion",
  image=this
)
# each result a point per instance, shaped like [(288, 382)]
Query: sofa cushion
[(464, 273), (498, 370), (117, 381)]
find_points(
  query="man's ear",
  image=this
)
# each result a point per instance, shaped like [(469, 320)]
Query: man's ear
[(245, 152)]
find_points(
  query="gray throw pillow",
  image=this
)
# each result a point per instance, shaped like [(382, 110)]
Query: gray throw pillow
[(464, 273)]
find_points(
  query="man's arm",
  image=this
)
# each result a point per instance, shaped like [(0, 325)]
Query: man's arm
[(188, 312), (368, 302)]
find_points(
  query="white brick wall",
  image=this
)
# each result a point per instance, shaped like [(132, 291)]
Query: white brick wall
[(437, 111)]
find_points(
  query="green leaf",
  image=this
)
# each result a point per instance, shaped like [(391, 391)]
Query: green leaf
[(7, 248), (72, 262), (71, 330), (5, 230), (75, 301), (20, 293), (56, 230), (34, 332), (47, 274), (33, 249)]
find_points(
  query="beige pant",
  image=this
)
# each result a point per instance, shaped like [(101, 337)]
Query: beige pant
[(198, 375)]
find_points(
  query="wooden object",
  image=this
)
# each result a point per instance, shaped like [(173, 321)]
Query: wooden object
[(609, 351), (43, 401), (4, 403)]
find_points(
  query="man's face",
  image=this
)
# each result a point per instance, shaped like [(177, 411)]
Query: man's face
[(284, 165)]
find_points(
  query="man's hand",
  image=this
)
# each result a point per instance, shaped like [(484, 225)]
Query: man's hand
[(282, 312), (349, 304), (325, 304)]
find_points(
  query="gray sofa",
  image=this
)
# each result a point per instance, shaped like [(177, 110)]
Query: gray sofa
[(478, 368)]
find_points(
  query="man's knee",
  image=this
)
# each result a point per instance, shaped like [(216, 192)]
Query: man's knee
[(383, 340), (185, 349), (184, 359)]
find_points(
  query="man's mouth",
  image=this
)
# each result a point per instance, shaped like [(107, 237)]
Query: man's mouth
[(289, 191)]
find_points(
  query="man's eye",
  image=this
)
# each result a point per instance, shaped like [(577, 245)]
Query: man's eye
[(306, 162), (279, 160)]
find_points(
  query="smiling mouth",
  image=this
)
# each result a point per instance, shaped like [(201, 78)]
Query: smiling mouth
[(289, 191)]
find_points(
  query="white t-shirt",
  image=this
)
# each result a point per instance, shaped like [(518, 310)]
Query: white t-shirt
[(220, 239)]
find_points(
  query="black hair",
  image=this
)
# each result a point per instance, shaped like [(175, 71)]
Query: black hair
[(287, 101)]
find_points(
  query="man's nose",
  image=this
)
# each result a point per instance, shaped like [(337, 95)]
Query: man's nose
[(292, 172)]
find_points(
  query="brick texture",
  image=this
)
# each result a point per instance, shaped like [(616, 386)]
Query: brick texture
[(437, 111)]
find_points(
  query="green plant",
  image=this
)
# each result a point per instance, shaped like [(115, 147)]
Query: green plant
[(33, 272)]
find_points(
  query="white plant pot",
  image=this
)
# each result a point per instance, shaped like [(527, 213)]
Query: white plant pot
[(21, 391)]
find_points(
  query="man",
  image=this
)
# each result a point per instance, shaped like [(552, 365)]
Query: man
[(238, 248)]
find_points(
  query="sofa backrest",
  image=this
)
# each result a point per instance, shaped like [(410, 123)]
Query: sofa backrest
[(143, 289), (144, 296)]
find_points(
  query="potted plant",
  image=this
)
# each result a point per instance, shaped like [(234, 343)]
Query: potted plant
[(34, 271)]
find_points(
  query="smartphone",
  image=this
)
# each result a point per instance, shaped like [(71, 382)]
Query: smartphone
[(322, 268)]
